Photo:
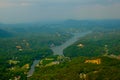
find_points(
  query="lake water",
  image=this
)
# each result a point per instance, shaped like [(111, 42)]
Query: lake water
[(58, 50)]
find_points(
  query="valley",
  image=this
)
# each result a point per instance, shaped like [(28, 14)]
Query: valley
[(59, 51)]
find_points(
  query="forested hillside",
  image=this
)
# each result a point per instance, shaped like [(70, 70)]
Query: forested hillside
[(96, 44), (4, 33), (77, 69), (18, 52)]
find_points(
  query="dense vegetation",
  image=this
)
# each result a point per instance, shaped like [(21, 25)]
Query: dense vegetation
[(108, 69), (18, 52), (13, 57), (21, 44), (98, 43)]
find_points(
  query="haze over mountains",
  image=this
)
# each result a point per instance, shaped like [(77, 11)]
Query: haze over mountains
[(7, 30), (61, 25)]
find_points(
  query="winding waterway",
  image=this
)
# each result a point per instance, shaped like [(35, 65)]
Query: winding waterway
[(32, 69), (58, 50)]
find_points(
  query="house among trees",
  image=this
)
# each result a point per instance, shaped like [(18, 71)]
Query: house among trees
[(80, 45), (18, 47)]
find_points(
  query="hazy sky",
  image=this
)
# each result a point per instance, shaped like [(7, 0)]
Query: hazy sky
[(19, 11)]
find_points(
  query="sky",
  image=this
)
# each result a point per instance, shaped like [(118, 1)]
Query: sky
[(22, 11)]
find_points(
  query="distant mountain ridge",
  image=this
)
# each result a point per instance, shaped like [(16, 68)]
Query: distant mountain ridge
[(62, 26)]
